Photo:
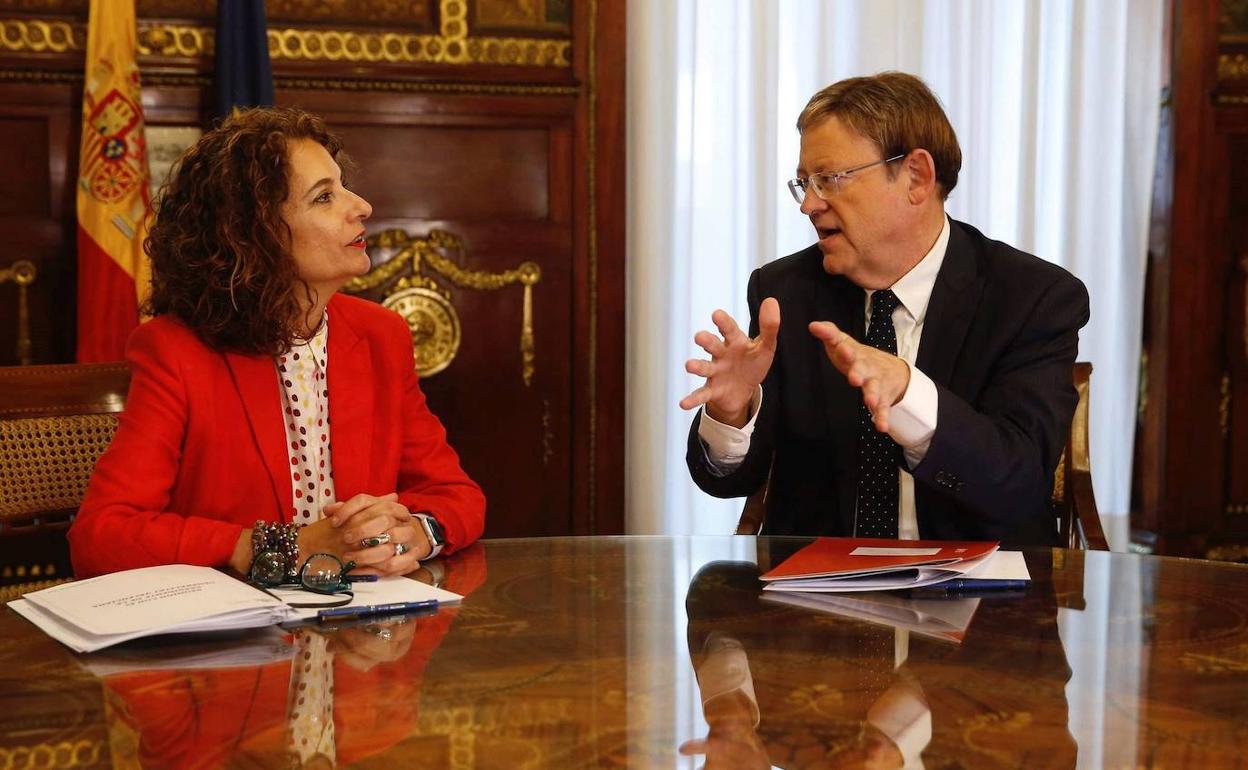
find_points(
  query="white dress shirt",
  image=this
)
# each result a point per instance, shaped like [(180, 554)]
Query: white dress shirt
[(911, 421)]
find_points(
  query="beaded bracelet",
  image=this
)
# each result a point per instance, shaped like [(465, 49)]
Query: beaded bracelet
[(282, 539), (259, 538)]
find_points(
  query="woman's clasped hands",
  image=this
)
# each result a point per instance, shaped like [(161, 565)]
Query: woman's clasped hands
[(377, 533)]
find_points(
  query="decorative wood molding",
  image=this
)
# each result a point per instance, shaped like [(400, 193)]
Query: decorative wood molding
[(452, 46), (1232, 67), (41, 36), (311, 84)]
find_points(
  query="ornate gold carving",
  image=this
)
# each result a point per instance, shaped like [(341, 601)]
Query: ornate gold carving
[(1232, 67), (39, 36), (175, 40), (22, 273), (62, 754), (452, 45), (434, 325), (413, 86), (1228, 553), (312, 84), (1239, 509), (433, 311), (403, 48), (1224, 406)]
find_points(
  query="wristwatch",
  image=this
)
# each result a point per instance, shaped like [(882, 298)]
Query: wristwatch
[(433, 530)]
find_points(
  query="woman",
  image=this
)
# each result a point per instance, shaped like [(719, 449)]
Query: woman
[(225, 447)]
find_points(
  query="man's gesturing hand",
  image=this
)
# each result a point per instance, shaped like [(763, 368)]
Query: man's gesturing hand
[(882, 376), (738, 365)]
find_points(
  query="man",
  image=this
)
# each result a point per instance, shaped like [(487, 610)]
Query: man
[(920, 385)]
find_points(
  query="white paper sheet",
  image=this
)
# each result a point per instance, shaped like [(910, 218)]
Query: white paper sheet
[(92, 614), (388, 590)]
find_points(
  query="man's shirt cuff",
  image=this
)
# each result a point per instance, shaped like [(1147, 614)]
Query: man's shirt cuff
[(912, 420), (724, 445)]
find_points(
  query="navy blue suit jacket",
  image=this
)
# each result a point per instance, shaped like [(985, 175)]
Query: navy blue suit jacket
[(999, 340)]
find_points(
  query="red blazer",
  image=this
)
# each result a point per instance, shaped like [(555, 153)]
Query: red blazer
[(200, 451)]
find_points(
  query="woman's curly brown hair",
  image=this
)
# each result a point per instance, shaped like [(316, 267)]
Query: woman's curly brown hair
[(219, 247)]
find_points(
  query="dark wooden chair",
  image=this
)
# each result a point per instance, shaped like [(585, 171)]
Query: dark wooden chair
[(55, 421), (1074, 504)]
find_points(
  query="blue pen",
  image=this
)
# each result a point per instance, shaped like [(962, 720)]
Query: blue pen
[(352, 613), (962, 586)]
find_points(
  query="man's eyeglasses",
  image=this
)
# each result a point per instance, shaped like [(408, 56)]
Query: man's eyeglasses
[(828, 183), (322, 573)]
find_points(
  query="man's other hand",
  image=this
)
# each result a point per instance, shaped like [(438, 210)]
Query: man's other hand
[(882, 376), (738, 365)]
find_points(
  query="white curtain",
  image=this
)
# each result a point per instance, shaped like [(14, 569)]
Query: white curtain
[(1055, 103)]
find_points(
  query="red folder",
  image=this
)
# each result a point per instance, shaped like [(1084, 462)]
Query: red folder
[(830, 560)]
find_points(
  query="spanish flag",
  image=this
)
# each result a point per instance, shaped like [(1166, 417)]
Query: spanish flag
[(113, 198)]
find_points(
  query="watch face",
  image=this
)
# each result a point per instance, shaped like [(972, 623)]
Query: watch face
[(435, 530)]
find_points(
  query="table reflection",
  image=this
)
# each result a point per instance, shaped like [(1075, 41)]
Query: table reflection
[(793, 687), (616, 652), (317, 696)]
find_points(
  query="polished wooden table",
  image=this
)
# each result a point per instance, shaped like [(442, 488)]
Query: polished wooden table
[(613, 652)]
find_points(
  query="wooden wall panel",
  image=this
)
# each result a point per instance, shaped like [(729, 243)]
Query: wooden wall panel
[(509, 137), (453, 172), (1191, 498), (36, 216)]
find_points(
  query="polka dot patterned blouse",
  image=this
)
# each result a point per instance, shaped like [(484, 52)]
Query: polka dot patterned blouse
[(302, 375)]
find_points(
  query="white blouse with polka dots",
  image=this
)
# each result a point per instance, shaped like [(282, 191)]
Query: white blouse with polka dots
[(302, 376)]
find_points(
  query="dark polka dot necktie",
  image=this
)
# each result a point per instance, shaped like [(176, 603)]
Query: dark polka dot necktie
[(879, 457)]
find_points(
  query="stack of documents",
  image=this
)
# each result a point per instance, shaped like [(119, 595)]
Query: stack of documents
[(837, 564), (945, 619), (92, 614)]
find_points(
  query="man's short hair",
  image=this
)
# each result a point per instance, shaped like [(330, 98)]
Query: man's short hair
[(898, 112)]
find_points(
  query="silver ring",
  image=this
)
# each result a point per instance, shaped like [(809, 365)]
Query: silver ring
[(381, 539), (400, 549)]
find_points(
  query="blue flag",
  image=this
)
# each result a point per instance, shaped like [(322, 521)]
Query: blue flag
[(244, 74)]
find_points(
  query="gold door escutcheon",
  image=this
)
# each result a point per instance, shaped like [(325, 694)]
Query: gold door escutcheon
[(22, 273), (426, 304)]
